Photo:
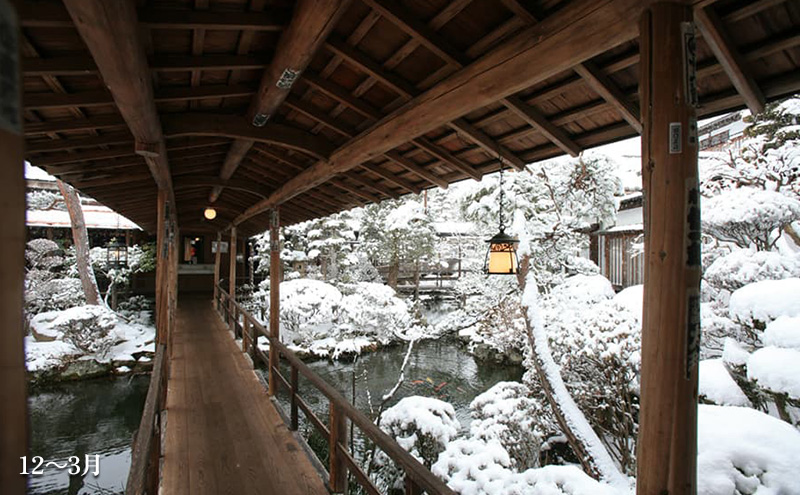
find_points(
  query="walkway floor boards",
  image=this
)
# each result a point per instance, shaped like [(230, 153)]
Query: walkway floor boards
[(223, 435)]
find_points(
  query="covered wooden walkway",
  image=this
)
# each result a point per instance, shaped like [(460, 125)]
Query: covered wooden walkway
[(223, 434)]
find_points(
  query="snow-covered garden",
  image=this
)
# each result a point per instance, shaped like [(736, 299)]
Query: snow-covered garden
[(354, 284)]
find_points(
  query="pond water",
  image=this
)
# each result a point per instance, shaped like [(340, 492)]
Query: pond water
[(437, 368), (85, 418), (101, 416)]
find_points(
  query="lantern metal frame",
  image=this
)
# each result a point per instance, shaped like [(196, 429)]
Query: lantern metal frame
[(116, 254), (502, 242)]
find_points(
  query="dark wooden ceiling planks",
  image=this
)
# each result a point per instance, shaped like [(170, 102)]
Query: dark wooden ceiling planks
[(383, 62)]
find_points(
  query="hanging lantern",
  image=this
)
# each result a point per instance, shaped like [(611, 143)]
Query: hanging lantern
[(502, 256), (116, 254), (210, 213)]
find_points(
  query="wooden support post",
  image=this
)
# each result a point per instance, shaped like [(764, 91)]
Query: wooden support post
[(667, 445), (274, 296), (217, 259), (337, 470), (294, 384), (162, 264), (245, 333), (13, 390), (232, 275), (412, 488)]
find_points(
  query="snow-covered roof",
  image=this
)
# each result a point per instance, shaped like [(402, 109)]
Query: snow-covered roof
[(454, 228), (96, 217)]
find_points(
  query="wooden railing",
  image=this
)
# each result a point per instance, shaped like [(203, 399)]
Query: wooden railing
[(418, 478), (143, 476)]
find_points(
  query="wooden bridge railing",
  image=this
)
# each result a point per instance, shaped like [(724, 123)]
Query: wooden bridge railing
[(418, 478), (143, 477)]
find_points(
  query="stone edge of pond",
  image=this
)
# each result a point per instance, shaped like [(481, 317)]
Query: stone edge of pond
[(77, 369)]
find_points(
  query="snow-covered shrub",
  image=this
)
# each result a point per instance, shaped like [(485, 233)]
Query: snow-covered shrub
[(742, 267), (89, 328), (717, 386), (507, 413), (783, 332), (47, 288), (44, 200), (758, 303), (741, 450), (749, 216), (374, 309), (309, 310), (423, 426), (471, 466), (597, 343), (776, 370)]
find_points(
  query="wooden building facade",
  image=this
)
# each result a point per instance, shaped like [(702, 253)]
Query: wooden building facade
[(273, 112)]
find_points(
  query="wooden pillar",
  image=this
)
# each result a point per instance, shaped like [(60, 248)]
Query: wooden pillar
[(217, 260), (162, 269), (13, 391), (667, 446), (274, 296), (232, 271)]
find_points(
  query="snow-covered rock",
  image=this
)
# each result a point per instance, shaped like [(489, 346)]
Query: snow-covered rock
[(585, 289), (783, 332), (776, 369), (741, 450), (717, 385), (765, 301)]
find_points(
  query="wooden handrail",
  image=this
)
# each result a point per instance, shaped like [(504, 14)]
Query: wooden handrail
[(144, 472), (418, 477)]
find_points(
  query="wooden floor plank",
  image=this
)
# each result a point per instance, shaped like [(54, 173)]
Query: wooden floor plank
[(223, 432)]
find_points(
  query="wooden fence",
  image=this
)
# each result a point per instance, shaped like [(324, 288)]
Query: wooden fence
[(143, 476), (341, 462)]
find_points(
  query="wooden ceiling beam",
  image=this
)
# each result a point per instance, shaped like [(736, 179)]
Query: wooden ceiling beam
[(538, 121), (602, 84), (112, 36), (398, 15), (407, 91), (728, 56), (236, 127), (39, 101), (390, 177), (354, 190), (581, 30), (77, 143), (413, 167), (85, 124), (375, 186), (274, 20), (447, 157), (239, 185), (311, 23)]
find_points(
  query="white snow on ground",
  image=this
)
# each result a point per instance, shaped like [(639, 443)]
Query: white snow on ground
[(776, 369), (717, 385), (46, 349), (578, 424), (632, 299), (783, 332), (741, 450), (766, 300)]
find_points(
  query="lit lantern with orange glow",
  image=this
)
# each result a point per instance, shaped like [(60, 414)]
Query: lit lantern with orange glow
[(502, 256), (210, 213)]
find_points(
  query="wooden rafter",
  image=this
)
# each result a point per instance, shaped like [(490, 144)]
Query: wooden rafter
[(232, 126), (732, 62), (609, 91), (534, 118), (310, 25), (536, 54)]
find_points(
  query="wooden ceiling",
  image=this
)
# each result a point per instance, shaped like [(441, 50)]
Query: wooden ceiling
[(392, 97)]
